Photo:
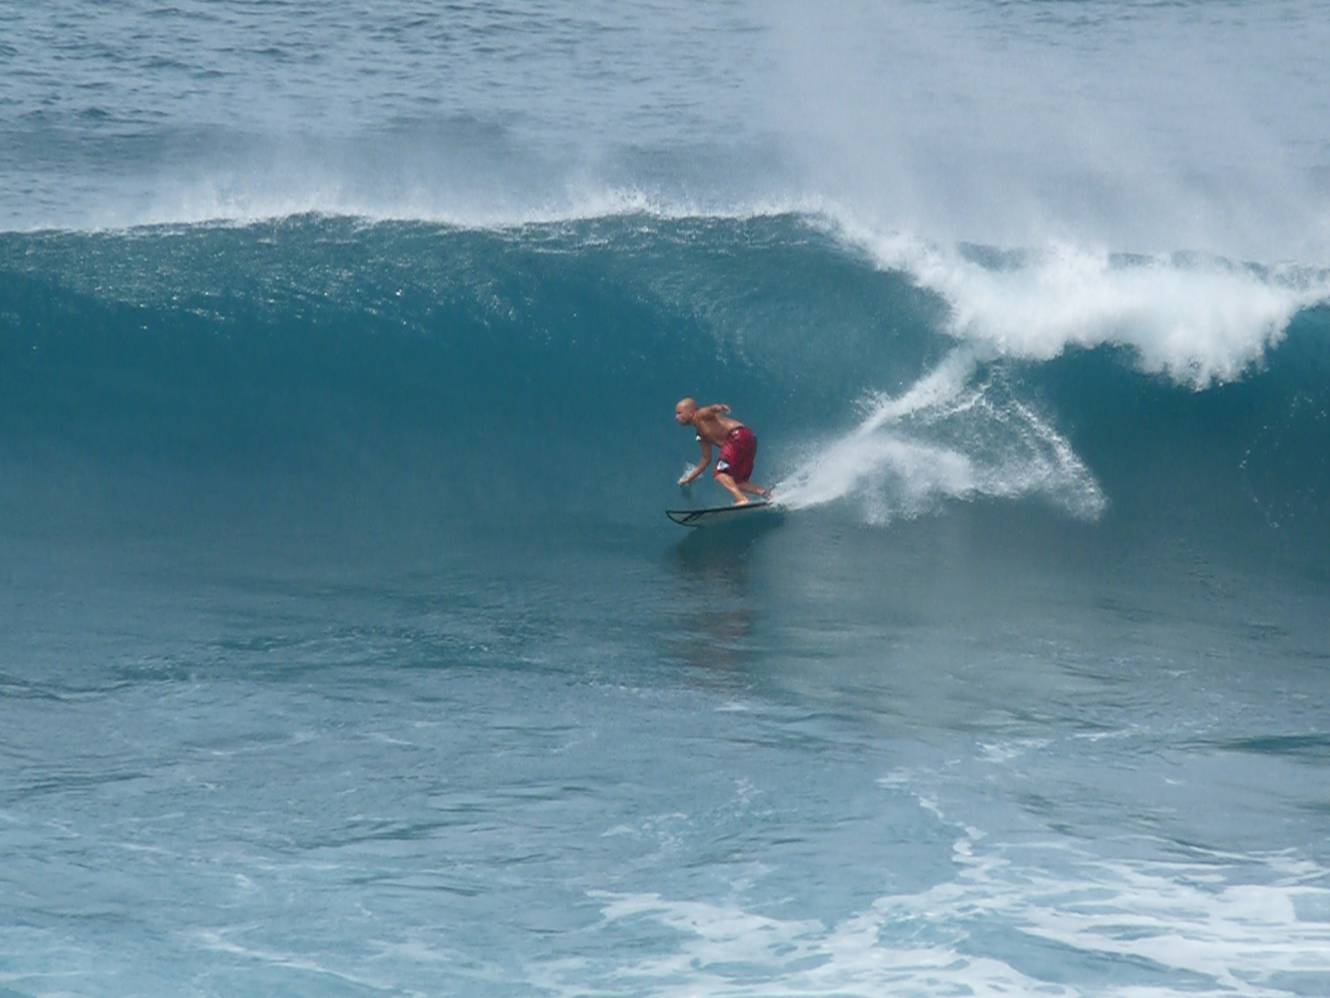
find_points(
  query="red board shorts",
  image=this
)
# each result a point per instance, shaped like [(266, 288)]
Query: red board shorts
[(737, 454)]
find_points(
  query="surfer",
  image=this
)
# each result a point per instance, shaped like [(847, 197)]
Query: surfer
[(737, 443)]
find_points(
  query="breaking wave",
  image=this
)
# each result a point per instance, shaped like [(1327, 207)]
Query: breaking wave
[(523, 366)]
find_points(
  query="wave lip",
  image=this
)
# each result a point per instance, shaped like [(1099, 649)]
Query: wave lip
[(1200, 320)]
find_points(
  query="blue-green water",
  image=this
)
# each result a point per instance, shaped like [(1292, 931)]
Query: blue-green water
[(344, 648)]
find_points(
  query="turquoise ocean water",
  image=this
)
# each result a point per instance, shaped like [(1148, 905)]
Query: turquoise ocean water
[(345, 649)]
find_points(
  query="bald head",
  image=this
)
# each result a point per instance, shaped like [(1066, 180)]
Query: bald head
[(684, 410)]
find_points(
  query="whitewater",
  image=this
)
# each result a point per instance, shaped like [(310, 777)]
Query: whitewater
[(345, 649)]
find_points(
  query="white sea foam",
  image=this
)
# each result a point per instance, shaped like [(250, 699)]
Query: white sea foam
[(944, 438), (791, 956), (1233, 924), (1197, 320)]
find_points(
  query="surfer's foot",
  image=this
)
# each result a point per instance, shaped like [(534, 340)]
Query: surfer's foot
[(741, 501), (751, 489)]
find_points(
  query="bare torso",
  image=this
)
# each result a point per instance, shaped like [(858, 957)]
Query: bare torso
[(715, 428)]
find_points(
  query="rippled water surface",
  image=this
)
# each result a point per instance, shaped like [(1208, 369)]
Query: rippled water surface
[(344, 648)]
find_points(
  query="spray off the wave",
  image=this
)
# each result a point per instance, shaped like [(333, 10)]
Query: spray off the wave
[(1197, 322)]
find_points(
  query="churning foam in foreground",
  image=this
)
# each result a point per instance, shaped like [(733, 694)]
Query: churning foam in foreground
[(1210, 919), (1182, 918)]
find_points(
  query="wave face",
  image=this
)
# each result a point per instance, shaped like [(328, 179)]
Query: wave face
[(507, 373)]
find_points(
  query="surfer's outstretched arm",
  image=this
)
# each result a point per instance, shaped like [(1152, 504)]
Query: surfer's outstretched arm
[(701, 465)]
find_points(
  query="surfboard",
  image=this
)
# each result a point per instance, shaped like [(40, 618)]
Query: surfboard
[(714, 515)]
